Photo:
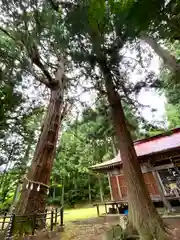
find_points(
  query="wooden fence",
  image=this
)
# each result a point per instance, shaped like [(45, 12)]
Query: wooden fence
[(49, 218)]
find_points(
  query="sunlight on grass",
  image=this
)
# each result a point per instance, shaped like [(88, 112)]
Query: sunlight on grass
[(5, 223), (70, 215), (82, 213)]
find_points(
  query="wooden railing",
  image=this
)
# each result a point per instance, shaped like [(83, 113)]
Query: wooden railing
[(50, 218)]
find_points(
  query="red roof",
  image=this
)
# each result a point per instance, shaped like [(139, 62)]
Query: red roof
[(153, 145), (159, 143)]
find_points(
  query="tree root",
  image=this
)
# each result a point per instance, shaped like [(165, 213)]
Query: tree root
[(154, 231)]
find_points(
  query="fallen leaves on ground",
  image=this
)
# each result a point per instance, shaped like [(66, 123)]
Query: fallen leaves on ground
[(84, 231)]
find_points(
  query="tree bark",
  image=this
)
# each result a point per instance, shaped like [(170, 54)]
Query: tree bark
[(113, 146), (142, 213), (62, 193), (54, 192), (32, 201), (101, 189), (89, 189), (16, 195), (169, 60)]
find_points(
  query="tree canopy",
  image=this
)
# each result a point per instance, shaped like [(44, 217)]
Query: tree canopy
[(65, 47)]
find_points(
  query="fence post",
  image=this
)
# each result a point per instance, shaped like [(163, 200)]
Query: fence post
[(4, 219), (10, 227), (106, 208), (52, 218), (62, 217), (56, 212), (34, 217), (45, 215)]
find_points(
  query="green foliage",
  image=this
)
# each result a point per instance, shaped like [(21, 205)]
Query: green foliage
[(170, 86), (81, 32), (86, 141), (173, 115), (5, 206), (8, 183)]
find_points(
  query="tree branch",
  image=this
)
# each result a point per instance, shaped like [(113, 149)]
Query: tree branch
[(8, 34), (35, 58), (55, 5)]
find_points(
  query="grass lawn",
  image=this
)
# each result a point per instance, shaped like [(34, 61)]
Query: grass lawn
[(81, 213), (71, 215)]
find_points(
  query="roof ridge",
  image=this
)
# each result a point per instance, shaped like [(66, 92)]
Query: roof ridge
[(163, 134)]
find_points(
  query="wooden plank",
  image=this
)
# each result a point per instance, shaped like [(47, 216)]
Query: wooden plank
[(166, 166), (161, 183), (172, 198), (161, 190), (123, 187), (118, 186)]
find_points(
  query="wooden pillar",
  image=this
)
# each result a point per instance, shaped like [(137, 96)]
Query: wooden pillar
[(119, 189), (160, 182), (110, 187), (161, 190)]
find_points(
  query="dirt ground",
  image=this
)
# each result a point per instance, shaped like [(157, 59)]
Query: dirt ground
[(174, 223), (93, 229)]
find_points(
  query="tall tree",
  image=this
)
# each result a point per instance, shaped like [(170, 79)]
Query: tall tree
[(28, 24), (99, 43)]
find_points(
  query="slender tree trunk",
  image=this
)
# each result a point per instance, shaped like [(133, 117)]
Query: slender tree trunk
[(33, 200), (54, 192), (113, 146), (75, 183), (16, 195), (106, 144), (169, 60), (26, 158), (101, 189), (54, 189), (89, 189), (142, 213), (62, 193)]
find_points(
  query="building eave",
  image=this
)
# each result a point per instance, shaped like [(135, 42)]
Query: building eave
[(170, 143)]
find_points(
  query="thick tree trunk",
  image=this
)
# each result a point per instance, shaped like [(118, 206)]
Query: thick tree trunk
[(169, 60), (142, 213), (32, 200)]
